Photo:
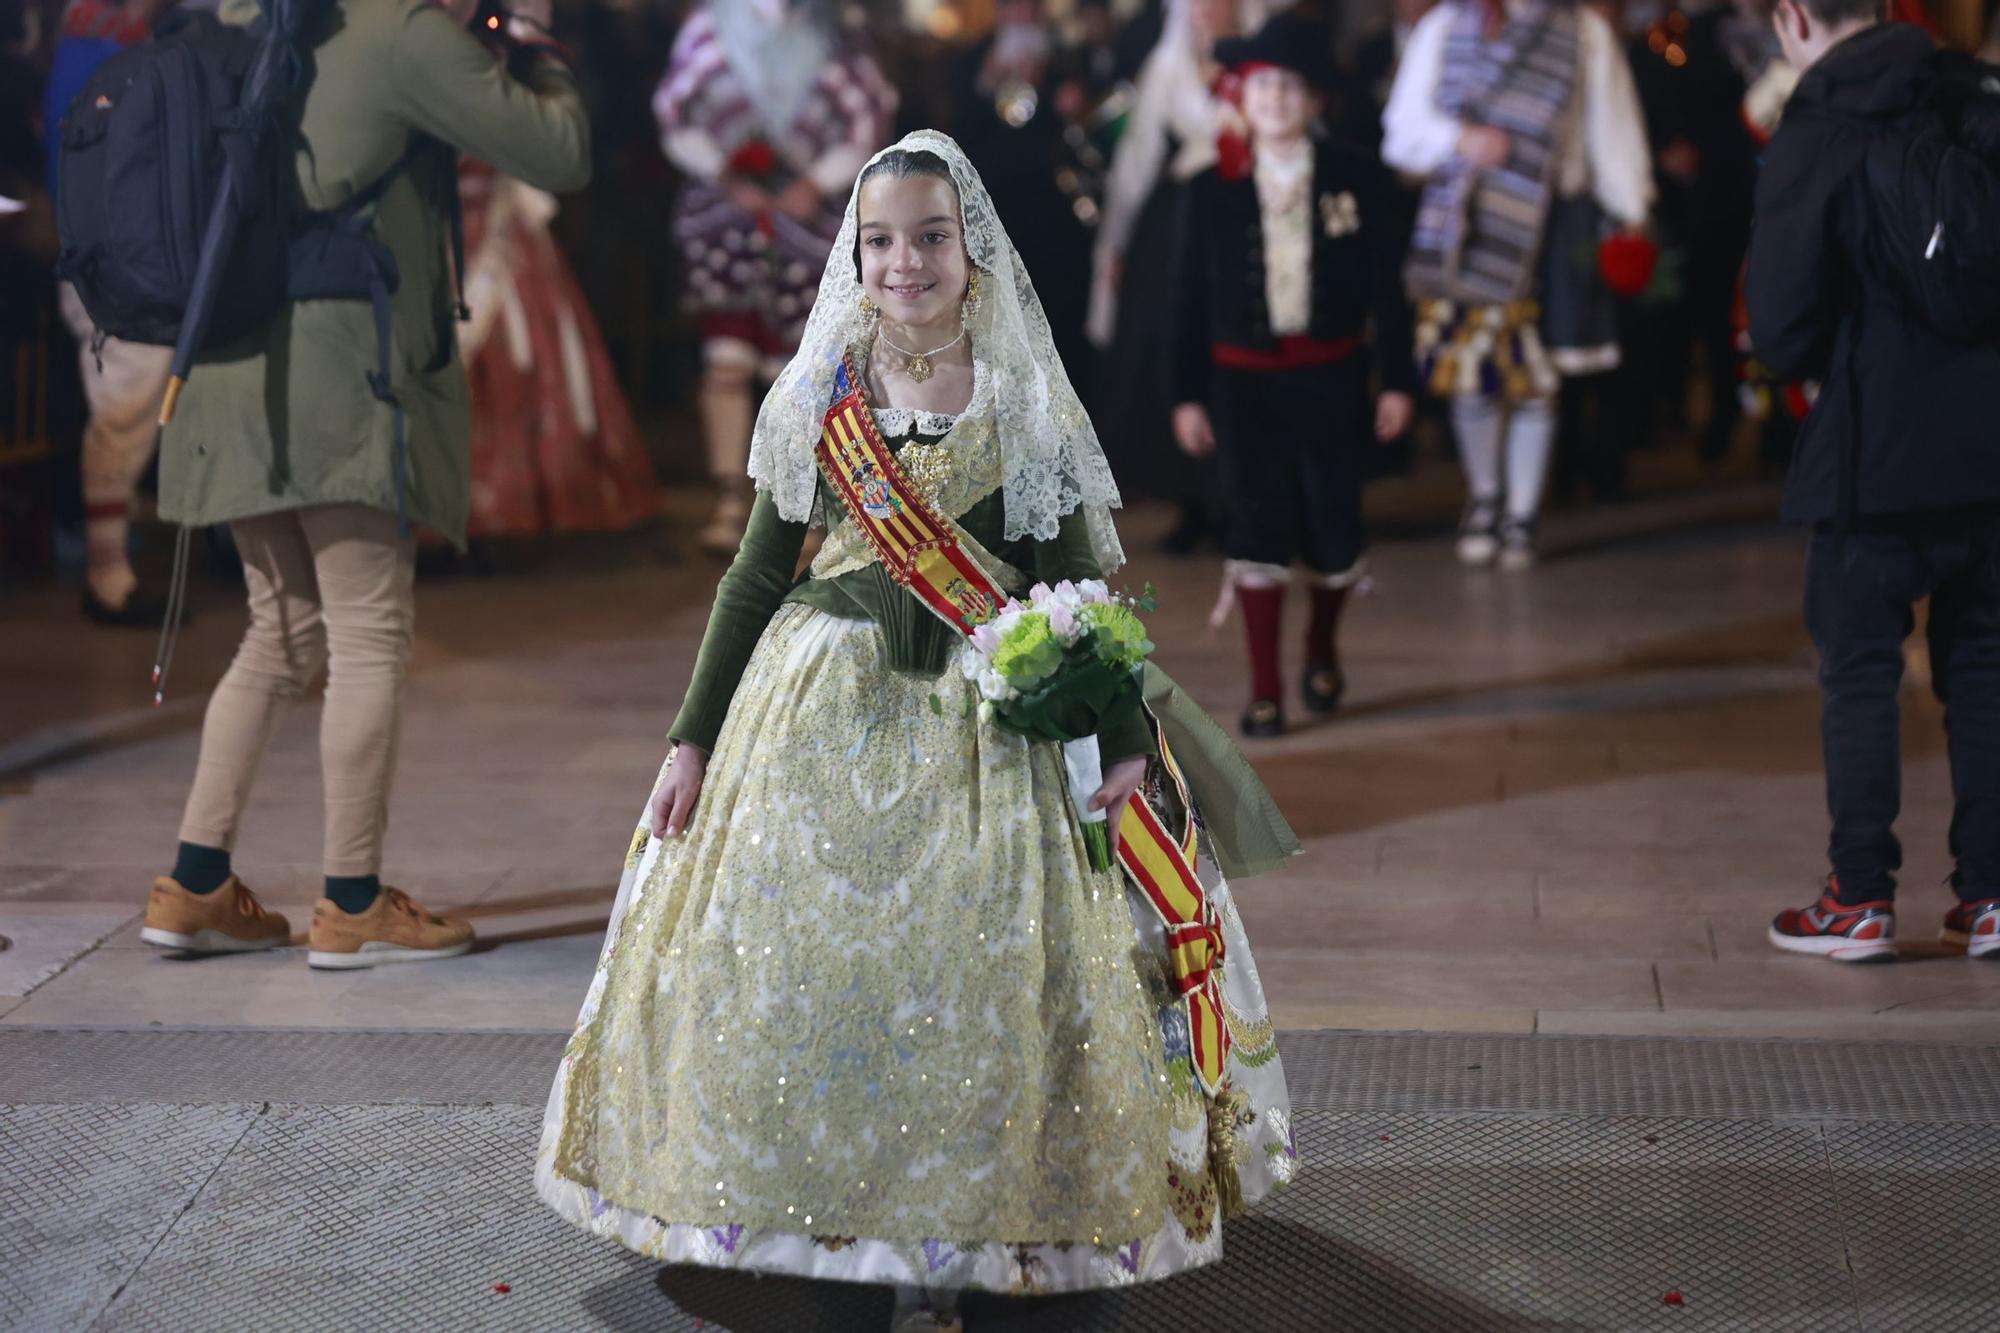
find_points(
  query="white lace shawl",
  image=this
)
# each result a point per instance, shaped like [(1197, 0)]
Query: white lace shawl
[(1051, 462)]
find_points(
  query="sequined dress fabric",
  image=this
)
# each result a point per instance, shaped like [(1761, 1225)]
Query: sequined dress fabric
[(874, 1017)]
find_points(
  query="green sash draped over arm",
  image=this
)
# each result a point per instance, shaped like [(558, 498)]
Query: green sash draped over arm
[(1245, 831)]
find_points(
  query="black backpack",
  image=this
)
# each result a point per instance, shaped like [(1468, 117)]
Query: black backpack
[(177, 198), (145, 148), (1933, 186)]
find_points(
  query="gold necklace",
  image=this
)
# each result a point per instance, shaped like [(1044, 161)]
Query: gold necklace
[(919, 367)]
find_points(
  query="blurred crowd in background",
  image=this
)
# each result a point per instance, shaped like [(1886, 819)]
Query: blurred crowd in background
[(620, 336)]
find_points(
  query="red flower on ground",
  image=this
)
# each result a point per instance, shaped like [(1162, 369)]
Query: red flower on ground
[(1673, 1298), (502, 1287)]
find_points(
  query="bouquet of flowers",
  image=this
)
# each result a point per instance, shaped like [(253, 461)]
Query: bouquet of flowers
[(1061, 667)]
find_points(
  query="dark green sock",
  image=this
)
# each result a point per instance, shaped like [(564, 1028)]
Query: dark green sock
[(201, 869), (353, 893)]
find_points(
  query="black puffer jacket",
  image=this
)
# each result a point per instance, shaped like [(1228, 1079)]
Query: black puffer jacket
[(1928, 410)]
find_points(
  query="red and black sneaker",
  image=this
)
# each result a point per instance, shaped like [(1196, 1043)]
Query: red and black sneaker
[(1844, 932), (1973, 927)]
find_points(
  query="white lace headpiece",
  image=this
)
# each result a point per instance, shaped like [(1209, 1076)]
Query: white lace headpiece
[(1050, 459)]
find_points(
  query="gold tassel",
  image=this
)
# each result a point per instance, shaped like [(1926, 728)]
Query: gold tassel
[(1223, 1149)]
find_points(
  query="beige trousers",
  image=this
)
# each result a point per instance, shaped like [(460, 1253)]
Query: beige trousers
[(329, 586)]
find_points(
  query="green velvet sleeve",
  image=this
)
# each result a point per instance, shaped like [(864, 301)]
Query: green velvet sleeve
[(749, 594), (1069, 557)]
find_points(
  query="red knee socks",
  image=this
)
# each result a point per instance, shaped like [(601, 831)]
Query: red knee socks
[(1326, 608), (1263, 612)]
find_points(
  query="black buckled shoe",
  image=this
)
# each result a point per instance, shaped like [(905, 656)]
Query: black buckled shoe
[(1264, 718), (1321, 689)]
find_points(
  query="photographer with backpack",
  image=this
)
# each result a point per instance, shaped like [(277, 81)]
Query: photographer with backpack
[(1875, 270), (324, 434)]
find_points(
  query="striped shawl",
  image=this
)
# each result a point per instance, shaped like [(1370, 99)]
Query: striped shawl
[(1479, 232)]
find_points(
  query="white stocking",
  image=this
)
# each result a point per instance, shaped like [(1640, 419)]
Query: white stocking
[(1479, 423), (1531, 437)]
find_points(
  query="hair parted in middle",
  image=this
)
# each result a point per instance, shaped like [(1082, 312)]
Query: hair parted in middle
[(902, 164)]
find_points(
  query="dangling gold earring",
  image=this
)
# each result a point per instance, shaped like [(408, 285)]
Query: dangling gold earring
[(867, 306), (971, 306)]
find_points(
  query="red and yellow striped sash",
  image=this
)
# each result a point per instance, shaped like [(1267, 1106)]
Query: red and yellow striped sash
[(920, 550), (916, 545)]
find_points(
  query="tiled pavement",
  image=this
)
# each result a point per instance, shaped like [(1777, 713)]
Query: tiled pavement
[(200, 1179)]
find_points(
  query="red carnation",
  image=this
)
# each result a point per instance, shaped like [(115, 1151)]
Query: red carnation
[(755, 158), (1627, 260)]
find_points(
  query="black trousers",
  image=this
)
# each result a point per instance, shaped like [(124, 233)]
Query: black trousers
[(1291, 444), (1861, 591)]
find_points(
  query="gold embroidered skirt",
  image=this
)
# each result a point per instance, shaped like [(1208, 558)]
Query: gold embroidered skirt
[(874, 1017)]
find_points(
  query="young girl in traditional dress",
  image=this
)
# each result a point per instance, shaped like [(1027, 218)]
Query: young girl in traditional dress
[(865, 1011)]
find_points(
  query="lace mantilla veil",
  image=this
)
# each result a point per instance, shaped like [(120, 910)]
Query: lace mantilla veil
[(1050, 459)]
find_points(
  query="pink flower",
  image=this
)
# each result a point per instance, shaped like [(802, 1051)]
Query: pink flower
[(1038, 593), (1062, 622), (986, 639), (1094, 592)]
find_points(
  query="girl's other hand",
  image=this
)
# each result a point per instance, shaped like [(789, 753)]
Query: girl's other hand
[(673, 803), (1121, 782)]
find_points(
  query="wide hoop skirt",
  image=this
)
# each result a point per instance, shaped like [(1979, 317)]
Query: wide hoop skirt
[(873, 1017)]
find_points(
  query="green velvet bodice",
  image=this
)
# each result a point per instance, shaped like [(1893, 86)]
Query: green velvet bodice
[(913, 639)]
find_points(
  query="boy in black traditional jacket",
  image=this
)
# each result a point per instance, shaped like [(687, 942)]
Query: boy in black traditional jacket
[(1282, 268)]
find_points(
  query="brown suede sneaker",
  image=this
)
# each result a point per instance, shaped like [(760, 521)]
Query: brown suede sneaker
[(393, 930), (230, 920)]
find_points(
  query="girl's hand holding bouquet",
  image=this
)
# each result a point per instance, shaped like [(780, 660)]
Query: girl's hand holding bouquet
[(1062, 667)]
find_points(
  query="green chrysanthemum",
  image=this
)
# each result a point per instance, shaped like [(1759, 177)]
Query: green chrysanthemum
[(1116, 635), (1029, 653)]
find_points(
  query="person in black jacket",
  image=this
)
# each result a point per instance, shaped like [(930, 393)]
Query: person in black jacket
[(1282, 268), (1898, 474)]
